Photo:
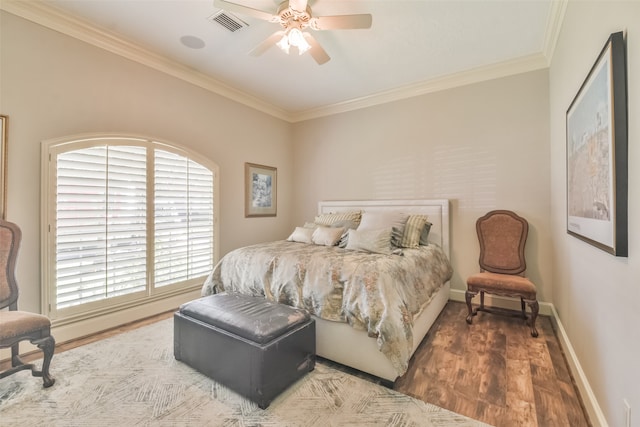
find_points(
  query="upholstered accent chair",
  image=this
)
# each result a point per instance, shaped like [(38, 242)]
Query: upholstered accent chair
[(15, 325), (502, 235)]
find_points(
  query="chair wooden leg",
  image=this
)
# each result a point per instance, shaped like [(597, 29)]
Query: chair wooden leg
[(468, 296), (48, 346), (534, 306), (15, 355)]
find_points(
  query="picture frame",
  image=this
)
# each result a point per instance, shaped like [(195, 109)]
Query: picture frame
[(3, 166), (597, 169), (261, 190)]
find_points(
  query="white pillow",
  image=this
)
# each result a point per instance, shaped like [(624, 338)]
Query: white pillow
[(378, 220), (327, 236), (301, 235), (375, 241)]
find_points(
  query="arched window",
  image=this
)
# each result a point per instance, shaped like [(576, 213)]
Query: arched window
[(127, 220)]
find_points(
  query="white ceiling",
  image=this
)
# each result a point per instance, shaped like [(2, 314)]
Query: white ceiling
[(411, 46)]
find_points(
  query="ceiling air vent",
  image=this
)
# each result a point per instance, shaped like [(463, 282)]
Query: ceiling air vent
[(228, 21)]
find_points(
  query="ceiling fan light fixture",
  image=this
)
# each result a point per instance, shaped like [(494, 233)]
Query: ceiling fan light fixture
[(302, 49), (284, 44), (294, 37)]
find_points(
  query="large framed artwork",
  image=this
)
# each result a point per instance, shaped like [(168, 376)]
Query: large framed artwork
[(3, 166), (261, 190), (597, 153)]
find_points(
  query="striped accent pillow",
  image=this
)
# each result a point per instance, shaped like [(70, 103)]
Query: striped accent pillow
[(330, 218), (412, 231)]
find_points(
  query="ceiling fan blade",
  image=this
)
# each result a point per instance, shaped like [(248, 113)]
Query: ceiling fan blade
[(266, 44), (298, 5), (342, 22), (316, 51), (243, 10)]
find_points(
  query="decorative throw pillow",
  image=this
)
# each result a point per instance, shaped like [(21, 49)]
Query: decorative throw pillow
[(396, 237), (331, 218), (412, 231), (378, 220), (301, 235), (327, 236), (424, 236), (375, 241), (346, 226)]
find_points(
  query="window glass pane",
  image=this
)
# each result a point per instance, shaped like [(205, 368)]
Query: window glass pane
[(100, 224), (127, 220), (200, 220), (183, 197)]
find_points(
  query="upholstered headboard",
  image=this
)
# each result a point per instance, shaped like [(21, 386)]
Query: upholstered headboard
[(436, 209)]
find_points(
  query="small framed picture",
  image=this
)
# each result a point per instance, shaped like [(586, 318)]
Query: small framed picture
[(261, 190)]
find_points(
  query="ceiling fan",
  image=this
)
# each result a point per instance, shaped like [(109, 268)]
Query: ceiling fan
[(295, 16)]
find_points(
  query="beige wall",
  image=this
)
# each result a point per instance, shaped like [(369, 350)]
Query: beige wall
[(53, 85), (596, 294), (496, 144), (484, 146)]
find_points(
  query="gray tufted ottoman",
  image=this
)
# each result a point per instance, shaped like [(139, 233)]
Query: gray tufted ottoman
[(251, 345)]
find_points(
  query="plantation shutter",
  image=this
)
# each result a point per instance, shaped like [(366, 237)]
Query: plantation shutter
[(100, 224), (183, 203)]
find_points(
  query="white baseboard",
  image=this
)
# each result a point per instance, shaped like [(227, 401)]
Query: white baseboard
[(547, 309), (588, 398), (71, 331)]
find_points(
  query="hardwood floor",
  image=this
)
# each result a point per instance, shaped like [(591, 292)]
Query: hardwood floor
[(492, 371)]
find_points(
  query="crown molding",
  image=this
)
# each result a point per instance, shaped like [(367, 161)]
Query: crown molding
[(502, 69), (52, 18), (554, 25)]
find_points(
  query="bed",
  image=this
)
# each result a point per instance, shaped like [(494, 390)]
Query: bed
[(364, 319)]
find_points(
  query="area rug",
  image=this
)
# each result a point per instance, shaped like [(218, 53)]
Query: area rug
[(132, 379)]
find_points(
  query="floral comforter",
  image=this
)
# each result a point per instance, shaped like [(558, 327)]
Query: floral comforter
[(372, 292)]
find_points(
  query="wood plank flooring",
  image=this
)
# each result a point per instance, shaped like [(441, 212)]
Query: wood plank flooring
[(492, 371)]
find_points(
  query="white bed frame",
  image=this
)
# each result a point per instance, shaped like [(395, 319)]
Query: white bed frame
[(343, 344)]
